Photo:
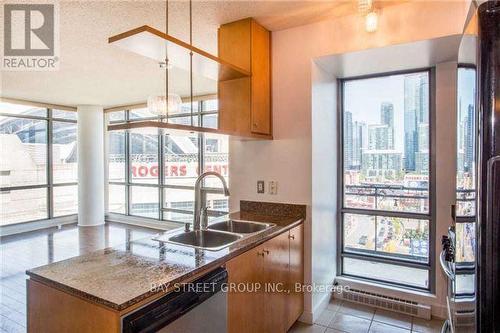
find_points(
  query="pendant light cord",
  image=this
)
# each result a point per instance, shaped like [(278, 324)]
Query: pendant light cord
[(191, 22), (191, 58), (166, 60)]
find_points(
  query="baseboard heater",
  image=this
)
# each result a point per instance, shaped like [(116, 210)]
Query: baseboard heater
[(386, 302)]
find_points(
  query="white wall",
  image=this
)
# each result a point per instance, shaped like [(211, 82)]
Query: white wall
[(446, 164), (288, 158), (324, 187)]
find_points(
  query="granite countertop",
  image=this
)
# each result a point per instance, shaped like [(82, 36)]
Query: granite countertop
[(121, 276)]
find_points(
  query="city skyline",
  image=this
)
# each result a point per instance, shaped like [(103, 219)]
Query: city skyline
[(393, 133)]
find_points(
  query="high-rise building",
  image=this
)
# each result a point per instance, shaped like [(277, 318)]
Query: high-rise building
[(423, 137), (380, 137), (384, 163), (387, 118), (422, 153), (359, 143), (468, 136), (348, 140), (416, 111), (387, 114)]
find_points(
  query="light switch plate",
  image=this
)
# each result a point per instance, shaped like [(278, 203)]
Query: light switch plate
[(273, 187), (260, 187)]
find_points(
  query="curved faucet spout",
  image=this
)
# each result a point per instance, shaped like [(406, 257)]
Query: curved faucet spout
[(199, 221)]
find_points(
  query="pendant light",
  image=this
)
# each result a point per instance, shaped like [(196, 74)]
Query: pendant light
[(371, 22), (170, 103)]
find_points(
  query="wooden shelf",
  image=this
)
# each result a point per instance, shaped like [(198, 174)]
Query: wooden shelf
[(151, 43), (181, 130), (158, 124)]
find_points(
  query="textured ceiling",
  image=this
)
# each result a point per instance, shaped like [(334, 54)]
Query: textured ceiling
[(93, 72)]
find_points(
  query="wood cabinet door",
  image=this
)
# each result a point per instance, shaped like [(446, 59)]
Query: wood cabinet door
[(235, 106), (245, 307), (234, 43), (276, 272), (295, 304), (261, 80)]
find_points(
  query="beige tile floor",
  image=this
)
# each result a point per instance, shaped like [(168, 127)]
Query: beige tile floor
[(349, 317)]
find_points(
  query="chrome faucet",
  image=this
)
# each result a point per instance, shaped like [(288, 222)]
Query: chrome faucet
[(200, 213)]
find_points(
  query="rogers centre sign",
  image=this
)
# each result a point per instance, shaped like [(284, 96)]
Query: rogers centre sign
[(181, 170)]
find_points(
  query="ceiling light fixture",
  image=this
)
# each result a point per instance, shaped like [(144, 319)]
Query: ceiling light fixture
[(164, 106), (170, 103), (371, 22)]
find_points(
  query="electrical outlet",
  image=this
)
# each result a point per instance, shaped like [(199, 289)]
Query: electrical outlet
[(260, 186), (273, 187)]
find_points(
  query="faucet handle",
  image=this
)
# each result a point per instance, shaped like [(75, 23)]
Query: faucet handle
[(187, 226)]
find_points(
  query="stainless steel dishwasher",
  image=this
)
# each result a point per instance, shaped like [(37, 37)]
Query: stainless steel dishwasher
[(197, 307)]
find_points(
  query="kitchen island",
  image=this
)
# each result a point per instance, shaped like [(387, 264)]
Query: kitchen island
[(93, 292)]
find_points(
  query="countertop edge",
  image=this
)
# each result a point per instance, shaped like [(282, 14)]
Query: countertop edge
[(210, 266)]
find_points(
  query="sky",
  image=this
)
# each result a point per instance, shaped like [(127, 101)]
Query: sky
[(364, 98), (466, 85)]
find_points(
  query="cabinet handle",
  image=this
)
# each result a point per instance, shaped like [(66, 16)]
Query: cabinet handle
[(266, 252), (255, 125), (260, 253), (291, 237)]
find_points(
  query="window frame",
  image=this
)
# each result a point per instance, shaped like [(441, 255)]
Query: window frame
[(430, 216), (468, 267), (49, 185), (471, 218), (128, 183)]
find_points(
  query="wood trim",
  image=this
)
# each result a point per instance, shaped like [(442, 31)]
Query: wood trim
[(146, 28), (145, 104), (157, 124), (200, 98), (38, 104), (184, 128)]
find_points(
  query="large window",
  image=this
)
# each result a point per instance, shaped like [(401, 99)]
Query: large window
[(466, 166), (38, 163), (386, 206), (152, 172)]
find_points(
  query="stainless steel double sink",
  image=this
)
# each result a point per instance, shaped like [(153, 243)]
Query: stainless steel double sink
[(218, 235)]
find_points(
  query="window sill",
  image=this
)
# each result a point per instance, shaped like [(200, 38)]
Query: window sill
[(18, 228), (387, 290)]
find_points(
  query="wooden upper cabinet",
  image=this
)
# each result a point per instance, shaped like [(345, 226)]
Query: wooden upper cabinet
[(245, 103), (235, 43)]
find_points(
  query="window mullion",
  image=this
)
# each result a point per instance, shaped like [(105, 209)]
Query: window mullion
[(373, 212), (50, 171), (161, 168), (183, 184), (201, 163), (127, 165)]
